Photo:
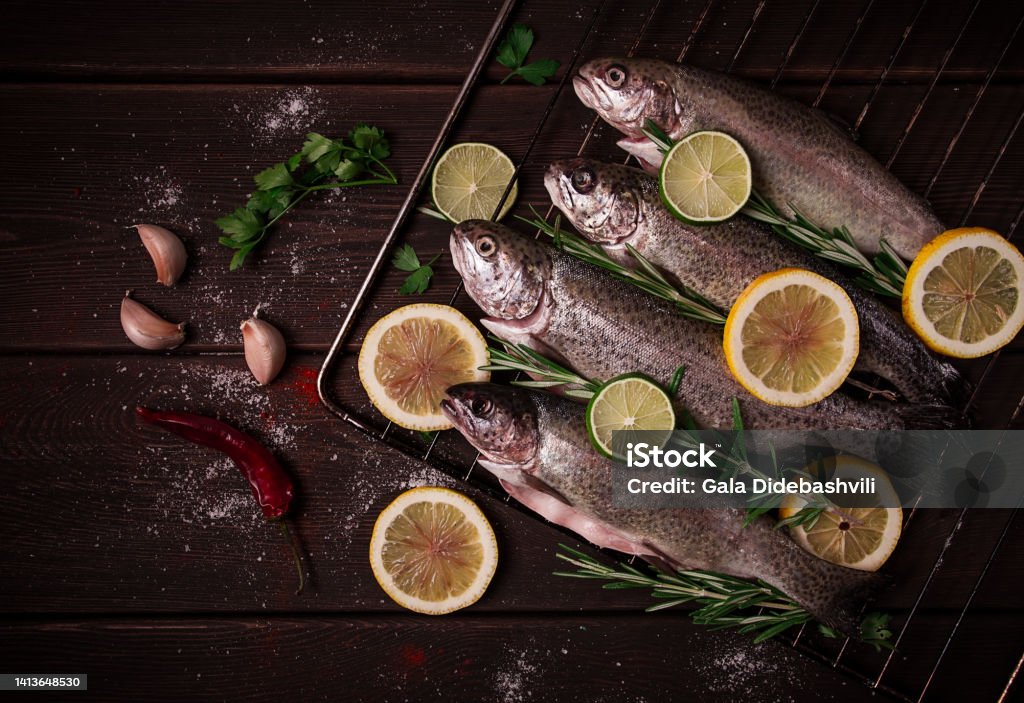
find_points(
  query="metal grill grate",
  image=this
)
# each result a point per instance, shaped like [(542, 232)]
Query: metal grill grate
[(378, 429)]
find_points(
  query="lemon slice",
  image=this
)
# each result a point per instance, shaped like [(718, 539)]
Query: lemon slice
[(860, 537), (469, 180), (630, 403), (963, 293), (791, 337), (433, 551), (412, 354), (706, 177)]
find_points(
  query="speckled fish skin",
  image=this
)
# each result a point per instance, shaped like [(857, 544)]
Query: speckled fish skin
[(798, 156), (536, 445), (602, 327), (613, 205)]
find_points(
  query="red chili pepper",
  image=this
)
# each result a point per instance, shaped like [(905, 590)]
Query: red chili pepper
[(271, 486)]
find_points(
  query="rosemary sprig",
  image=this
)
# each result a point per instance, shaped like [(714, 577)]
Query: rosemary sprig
[(645, 276), (546, 373), (724, 601), (884, 274)]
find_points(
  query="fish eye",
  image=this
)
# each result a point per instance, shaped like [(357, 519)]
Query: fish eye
[(485, 245), (616, 76), (583, 180), (481, 407)]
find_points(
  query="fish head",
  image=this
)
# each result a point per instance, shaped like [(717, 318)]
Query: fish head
[(504, 272), (603, 201), (628, 92), (500, 421)]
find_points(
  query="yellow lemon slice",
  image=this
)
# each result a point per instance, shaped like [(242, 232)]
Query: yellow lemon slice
[(792, 337), (412, 354), (963, 293), (860, 537), (705, 177), (469, 180), (433, 551)]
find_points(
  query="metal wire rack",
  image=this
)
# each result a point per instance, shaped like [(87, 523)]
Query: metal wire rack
[(460, 464)]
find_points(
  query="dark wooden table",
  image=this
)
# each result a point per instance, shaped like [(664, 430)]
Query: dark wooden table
[(143, 562)]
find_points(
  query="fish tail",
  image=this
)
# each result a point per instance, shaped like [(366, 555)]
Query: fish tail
[(841, 606), (931, 416), (938, 381), (918, 375)]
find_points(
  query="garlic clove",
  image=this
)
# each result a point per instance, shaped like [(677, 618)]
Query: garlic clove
[(147, 329), (166, 250), (264, 348)]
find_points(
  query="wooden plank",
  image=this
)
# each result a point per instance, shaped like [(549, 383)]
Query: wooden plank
[(96, 159), (320, 41), (137, 520), (501, 659), (459, 657)]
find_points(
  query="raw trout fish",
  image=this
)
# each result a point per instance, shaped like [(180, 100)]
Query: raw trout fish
[(798, 155), (613, 205), (576, 313), (536, 445)]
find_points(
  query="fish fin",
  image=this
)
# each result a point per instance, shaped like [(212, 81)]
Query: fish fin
[(509, 332), (515, 332), (939, 416), (643, 150), (556, 510)]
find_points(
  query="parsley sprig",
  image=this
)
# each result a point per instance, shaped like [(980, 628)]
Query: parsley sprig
[(322, 164), (418, 280), (512, 53)]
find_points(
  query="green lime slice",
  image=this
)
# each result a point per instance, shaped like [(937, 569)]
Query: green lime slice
[(705, 178), (469, 180), (627, 404)]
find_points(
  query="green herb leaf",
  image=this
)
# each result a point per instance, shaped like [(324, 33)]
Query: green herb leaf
[(737, 417), (538, 72), (316, 146), (417, 282), (370, 140), (242, 222), (516, 45), (331, 163), (276, 175), (405, 259), (677, 378), (512, 54), (239, 258), (348, 169)]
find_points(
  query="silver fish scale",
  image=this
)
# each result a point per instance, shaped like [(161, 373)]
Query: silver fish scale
[(711, 539), (719, 261), (800, 157), (604, 327)]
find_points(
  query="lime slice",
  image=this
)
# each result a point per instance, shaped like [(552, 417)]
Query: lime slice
[(791, 337), (705, 178), (963, 293), (469, 180), (627, 404), (433, 551), (861, 537), (412, 354)]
